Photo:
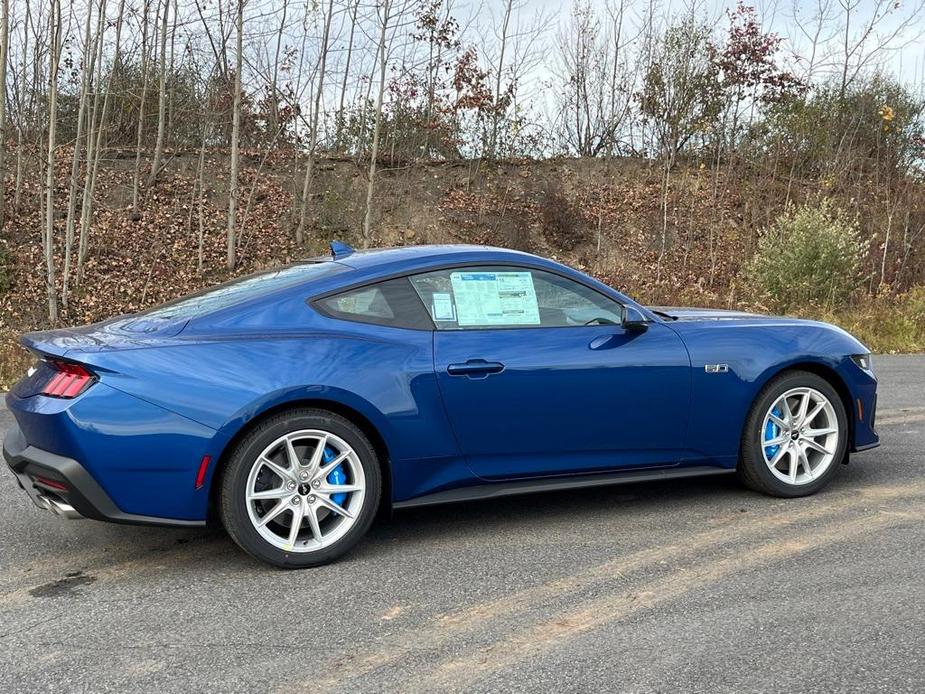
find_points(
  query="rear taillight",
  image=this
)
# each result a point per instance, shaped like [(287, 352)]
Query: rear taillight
[(69, 380)]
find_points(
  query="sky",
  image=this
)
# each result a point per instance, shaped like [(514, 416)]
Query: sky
[(785, 17)]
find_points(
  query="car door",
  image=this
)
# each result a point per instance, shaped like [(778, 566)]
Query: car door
[(539, 376)]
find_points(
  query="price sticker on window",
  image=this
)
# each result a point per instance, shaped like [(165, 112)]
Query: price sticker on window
[(495, 298)]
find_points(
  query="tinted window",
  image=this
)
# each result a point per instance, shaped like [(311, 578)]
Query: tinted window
[(507, 297), (241, 289), (392, 303)]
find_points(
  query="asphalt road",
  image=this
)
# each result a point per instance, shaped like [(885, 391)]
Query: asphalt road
[(676, 586)]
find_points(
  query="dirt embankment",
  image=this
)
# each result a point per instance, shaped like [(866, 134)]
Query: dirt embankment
[(612, 218)]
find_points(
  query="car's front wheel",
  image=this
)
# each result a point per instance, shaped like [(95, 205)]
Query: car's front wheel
[(795, 436), (300, 489)]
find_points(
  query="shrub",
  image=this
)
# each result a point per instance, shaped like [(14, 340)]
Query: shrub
[(811, 255)]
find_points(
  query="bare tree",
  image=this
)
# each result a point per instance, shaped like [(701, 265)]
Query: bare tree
[(89, 64), (161, 99), (4, 60), (136, 180), (354, 6), (234, 192), (56, 30), (273, 95), (384, 17), (94, 153), (595, 80), (313, 130), (504, 37), (200, 200), (883, 27), (512, 56)]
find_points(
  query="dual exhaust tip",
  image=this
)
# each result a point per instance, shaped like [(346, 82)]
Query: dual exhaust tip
[(58, 507)]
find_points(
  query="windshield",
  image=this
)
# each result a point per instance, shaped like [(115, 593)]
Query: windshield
[(241, 289)]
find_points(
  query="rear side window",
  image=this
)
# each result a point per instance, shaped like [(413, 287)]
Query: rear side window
[(393, 303), (242, 289)]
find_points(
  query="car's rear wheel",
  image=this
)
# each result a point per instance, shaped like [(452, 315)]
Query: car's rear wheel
[(795, 436), (300, 489)]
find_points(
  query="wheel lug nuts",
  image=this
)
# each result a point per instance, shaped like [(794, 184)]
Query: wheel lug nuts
[(303, 476), (316, 484), (290, 485), (311, 499), (295, 501)]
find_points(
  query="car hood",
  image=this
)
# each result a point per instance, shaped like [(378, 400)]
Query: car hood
[(688, 320), (701, 314)]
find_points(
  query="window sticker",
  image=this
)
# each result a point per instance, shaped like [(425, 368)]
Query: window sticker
[(442, 307), (357, 302), (495, 298)]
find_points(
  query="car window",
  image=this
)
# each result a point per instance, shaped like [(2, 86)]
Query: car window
[(241, 289), (508, 297), (393, 303)]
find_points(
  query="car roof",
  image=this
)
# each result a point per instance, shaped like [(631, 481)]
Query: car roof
[(414, 256), (360, 268), (370, 265)]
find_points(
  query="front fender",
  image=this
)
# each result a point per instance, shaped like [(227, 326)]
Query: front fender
[(755, 350)]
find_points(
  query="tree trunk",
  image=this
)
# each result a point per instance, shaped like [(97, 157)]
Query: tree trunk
[(495, 116), (161, 101), (233, 190), (374, 151), (89, 63), (313, 134), (20, 163), (136, 180), (274, 75), (93, 153), (201, 182), (343, 86), (4, 50), (54, 58)]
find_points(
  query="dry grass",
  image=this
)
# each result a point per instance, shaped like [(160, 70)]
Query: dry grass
[(14, 360), (888, 324)]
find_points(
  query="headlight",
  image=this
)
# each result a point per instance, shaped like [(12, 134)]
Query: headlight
[(862, 360)]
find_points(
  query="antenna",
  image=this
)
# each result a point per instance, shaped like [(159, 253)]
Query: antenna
[(340, 250)]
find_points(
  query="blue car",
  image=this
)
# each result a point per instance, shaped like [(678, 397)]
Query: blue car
[(295, 405)]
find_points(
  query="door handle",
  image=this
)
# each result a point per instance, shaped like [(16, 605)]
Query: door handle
[(475, 368)]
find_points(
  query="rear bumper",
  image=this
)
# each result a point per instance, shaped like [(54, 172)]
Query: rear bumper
[(63, 486)]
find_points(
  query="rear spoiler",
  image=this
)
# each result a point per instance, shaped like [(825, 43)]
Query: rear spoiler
[(129, 332), (49, 343)]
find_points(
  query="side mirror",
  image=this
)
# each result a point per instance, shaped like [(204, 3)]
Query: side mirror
[(633, 319)]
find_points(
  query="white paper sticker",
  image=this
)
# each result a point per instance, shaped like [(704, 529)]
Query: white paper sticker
[(495, 298), (357, 302), (442, 307)]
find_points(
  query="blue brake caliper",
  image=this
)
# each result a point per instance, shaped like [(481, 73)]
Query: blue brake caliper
[(771, 432), (336, 476)]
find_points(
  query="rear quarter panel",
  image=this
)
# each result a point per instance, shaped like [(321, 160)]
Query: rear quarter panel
[(225, 381)]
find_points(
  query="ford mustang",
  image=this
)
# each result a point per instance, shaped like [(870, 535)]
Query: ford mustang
[(295, 405)]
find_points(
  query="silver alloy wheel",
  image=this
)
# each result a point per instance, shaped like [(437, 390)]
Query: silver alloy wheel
[(799, 436), (291, 499)]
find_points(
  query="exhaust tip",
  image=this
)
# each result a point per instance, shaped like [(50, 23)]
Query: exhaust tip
[(59, 508)]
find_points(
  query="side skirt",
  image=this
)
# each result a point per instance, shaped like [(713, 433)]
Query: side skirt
[(493, 490)]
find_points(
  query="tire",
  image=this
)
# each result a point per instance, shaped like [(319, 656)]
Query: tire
[(795, 441), (277, 470)]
